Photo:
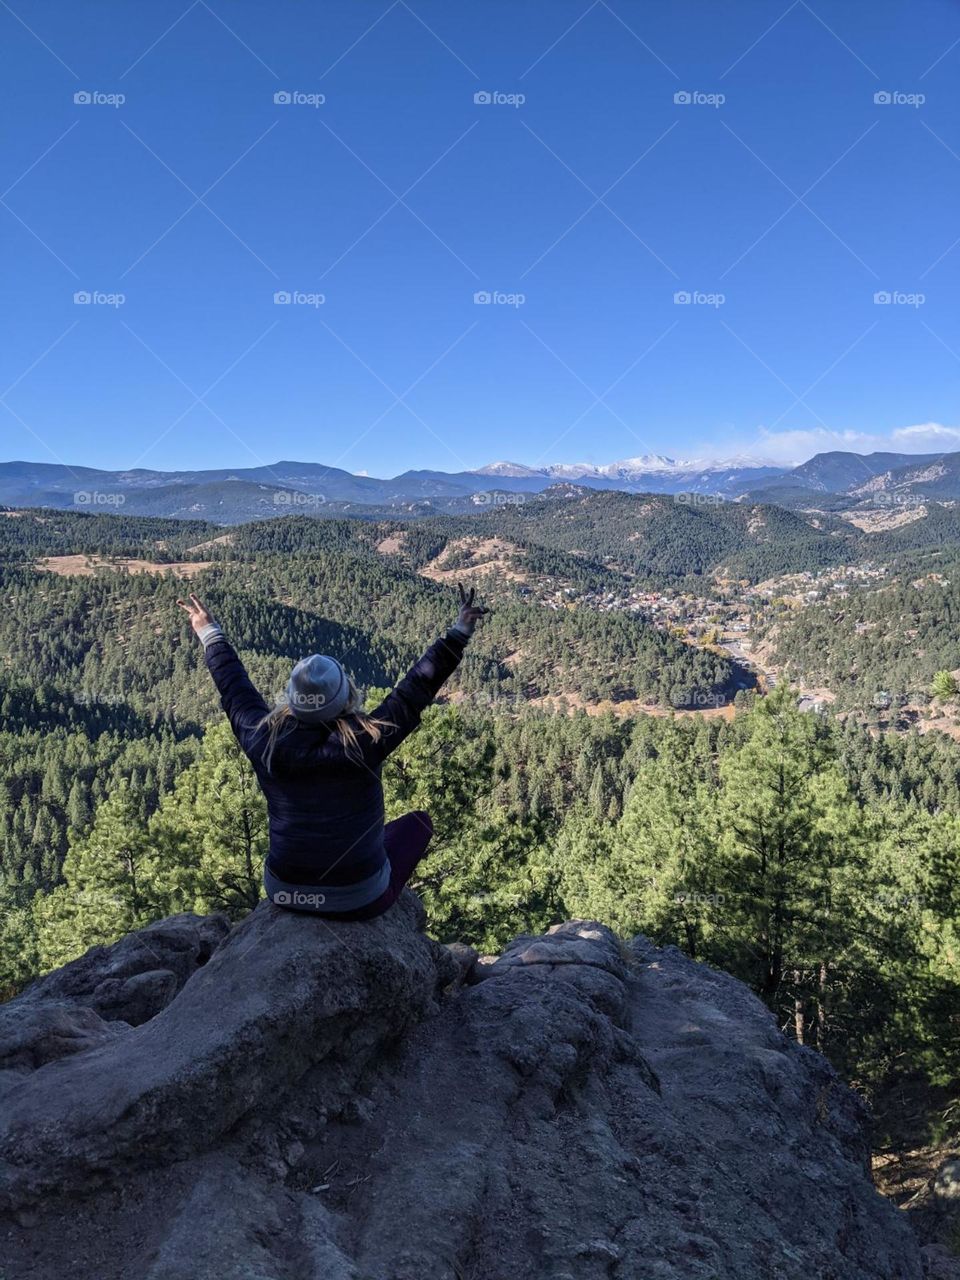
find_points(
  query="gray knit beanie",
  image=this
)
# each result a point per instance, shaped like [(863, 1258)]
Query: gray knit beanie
[(318, 689)]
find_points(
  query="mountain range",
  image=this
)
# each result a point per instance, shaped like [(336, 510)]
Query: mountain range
[(232, 495)]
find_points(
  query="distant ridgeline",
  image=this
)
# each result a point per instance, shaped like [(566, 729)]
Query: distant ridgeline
[(817, 862), (833, 481)]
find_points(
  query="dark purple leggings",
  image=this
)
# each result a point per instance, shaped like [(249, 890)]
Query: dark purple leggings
[(405, 840)]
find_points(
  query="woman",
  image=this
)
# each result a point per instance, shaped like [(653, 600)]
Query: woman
[(318, 756)]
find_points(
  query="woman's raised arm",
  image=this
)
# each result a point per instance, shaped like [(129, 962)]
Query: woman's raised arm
[(239, 698), (403, 707)]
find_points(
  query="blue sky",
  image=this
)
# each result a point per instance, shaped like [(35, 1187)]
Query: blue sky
[(781, 197)]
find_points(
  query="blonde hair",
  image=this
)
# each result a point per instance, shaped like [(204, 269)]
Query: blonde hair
[(282, 719)]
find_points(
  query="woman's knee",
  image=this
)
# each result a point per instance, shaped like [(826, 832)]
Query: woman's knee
[(424, 819)]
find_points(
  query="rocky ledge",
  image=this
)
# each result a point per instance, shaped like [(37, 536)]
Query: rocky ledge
[(292, 1099)]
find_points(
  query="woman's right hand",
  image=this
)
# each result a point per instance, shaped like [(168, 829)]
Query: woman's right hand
[(470, 613)]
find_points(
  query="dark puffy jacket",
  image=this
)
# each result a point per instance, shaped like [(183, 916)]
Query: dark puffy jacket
[(326, 807)]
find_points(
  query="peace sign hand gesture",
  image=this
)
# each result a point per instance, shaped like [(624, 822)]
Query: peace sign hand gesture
[(470, 613), (199, 617)]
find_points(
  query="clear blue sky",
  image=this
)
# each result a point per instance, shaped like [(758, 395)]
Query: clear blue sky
[(598, 198)]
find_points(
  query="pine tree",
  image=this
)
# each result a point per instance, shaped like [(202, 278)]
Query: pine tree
[(791, 852), (78, 811), (106, 891), (666, 845), (944, 686), (210, 832)]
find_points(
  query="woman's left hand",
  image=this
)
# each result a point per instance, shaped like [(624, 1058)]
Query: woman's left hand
[(470, 613), (199, 617)]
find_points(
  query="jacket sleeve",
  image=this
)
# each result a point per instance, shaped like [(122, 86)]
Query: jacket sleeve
[(244, 706), (404, 706)]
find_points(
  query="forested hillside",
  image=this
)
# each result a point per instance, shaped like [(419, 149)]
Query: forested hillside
[(882, 647), (813, 859), (102, 682)]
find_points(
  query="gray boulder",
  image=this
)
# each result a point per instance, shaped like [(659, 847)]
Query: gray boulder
[(94, 999), (139, 975), (356, 1102)]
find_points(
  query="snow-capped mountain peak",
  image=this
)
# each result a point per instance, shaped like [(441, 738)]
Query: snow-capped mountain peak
[(643, 465), (509, 469), (646, 462)]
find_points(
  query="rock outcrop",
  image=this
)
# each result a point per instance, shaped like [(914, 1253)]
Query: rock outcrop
[(105, 992), (302, 1099)]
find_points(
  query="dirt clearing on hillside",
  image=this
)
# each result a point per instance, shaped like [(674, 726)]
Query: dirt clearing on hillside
[(483, 555), (392, 543), (81, 566)]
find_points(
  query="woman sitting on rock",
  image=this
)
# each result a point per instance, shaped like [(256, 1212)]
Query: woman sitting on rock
[(318, 756)]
